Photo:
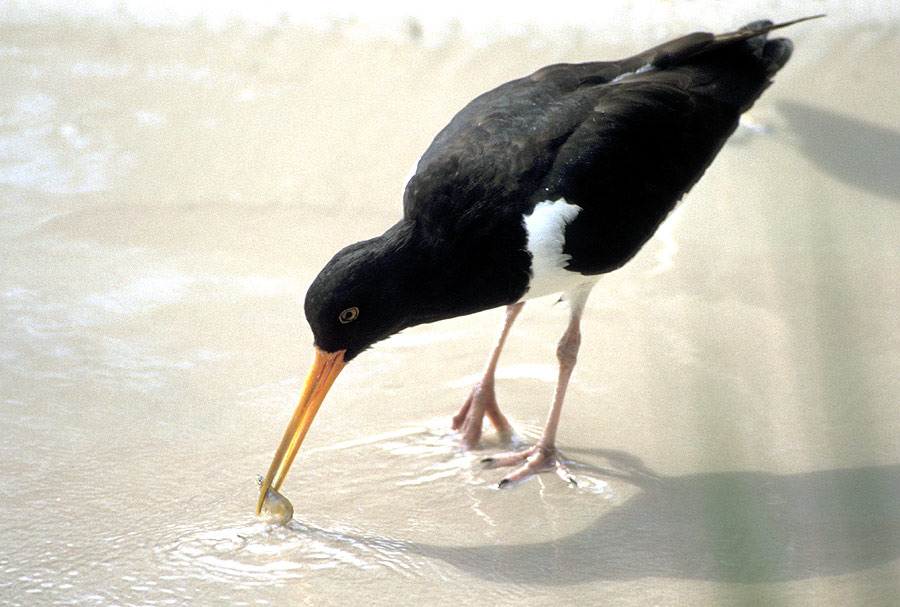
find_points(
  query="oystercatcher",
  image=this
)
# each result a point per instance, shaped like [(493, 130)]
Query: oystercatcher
[(536, 187)]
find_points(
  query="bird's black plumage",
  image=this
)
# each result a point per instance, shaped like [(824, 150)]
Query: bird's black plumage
[(535, 187), (622, 140)]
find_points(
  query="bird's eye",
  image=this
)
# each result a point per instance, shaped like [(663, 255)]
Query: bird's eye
[(348, 315)]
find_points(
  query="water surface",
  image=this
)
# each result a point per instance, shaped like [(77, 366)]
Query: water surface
[(167, 195)]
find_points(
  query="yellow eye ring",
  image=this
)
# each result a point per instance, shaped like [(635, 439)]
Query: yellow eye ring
[(348, 315)]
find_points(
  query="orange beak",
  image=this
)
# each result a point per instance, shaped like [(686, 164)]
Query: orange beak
[(322, 373)]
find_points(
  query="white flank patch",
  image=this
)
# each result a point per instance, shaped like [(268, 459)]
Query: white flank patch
[(546, 228)]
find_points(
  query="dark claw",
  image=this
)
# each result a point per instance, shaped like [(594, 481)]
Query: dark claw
[(487, 460), (502, 483), (572, 482)]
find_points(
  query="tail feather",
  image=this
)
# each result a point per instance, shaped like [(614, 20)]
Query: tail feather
[(740, 64), (763, 26), (681, 50), (774, 53)]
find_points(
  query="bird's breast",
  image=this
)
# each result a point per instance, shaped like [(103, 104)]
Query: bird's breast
[(545, 227)]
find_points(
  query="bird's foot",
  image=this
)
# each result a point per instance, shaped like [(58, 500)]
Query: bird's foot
[(470, 417), (533, 461)]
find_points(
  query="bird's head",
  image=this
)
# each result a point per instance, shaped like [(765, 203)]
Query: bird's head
[(359, 298)]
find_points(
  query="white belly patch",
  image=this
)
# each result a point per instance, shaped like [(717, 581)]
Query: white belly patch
[(546, 228)]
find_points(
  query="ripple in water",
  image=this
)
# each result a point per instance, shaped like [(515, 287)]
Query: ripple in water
[(408, 459)]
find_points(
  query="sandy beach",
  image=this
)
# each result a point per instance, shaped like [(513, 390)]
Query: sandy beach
[(167, 194)]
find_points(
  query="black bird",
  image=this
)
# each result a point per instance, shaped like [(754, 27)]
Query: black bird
[(536, 187)]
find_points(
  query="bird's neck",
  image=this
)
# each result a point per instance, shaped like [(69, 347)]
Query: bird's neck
[(440, 279)]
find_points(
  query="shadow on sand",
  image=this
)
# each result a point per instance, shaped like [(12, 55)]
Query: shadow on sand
[(862, 154), (745, 527)]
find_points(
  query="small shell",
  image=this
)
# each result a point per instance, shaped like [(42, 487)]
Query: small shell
[(276, 508)]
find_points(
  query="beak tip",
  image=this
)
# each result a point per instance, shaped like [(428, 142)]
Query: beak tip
[(263, 485)]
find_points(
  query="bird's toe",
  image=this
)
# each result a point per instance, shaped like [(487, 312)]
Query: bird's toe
[(536, 460)]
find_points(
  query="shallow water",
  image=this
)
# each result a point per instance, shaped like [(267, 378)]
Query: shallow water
[(167, 195)]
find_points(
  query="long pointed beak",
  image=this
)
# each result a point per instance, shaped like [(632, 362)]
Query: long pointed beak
[(324, 370)]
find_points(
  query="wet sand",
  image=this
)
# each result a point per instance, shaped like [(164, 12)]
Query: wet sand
[(168, 194)]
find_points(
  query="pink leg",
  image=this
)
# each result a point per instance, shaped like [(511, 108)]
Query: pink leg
[(482, 400), (544, 457)]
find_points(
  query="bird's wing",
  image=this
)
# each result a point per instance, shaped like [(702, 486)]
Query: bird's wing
[(489, 157), (645, 143), (651, 135), (581, 124)]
